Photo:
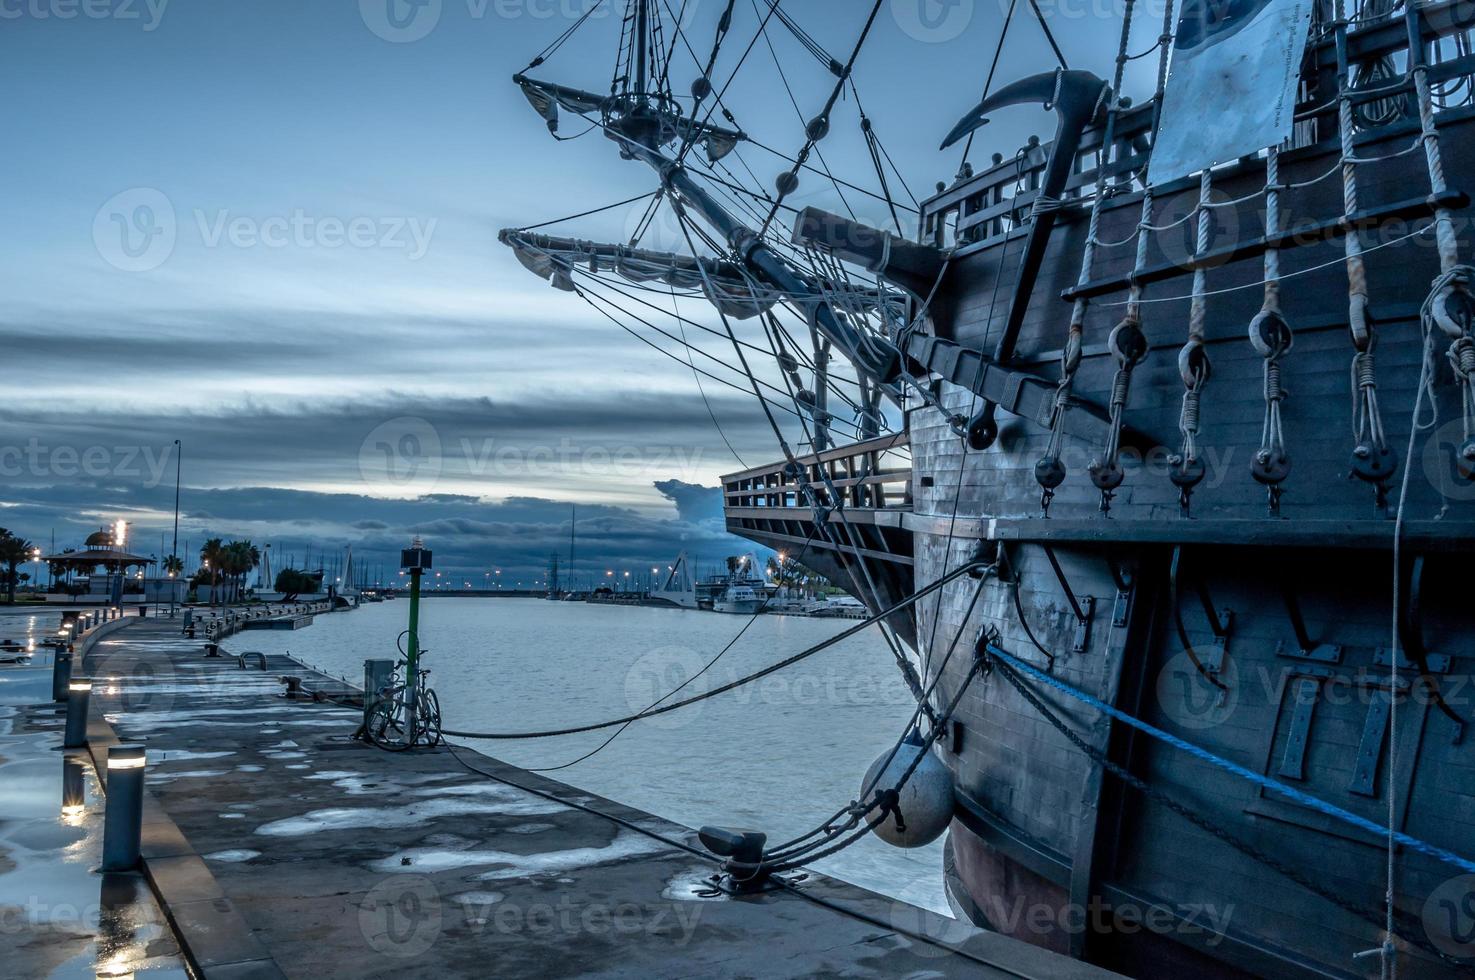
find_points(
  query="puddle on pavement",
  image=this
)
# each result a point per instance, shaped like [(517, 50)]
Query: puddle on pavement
[(65, 919)]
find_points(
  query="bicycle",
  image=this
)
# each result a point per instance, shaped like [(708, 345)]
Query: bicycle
[(388, 724)]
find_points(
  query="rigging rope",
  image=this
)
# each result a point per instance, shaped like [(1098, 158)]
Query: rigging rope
[(763, 607), (1373, 460), (1186, 469), (1272, 338), (1106, 472), (819, 126)]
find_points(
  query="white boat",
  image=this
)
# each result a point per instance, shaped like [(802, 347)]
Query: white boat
[(742, 599), (838, 607)]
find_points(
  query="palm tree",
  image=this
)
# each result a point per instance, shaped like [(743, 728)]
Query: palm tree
[(239, 558), (173, 566), (212, 557), (13, 551)]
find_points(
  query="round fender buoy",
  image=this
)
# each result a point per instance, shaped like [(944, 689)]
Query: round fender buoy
[(925, 803)]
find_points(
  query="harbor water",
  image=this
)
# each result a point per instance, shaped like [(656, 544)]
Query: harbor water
[(780, 755)]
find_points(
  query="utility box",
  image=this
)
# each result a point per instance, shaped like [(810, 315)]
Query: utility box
[(378, 674)]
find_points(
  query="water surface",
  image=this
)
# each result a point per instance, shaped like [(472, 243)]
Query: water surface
[(780, 755)]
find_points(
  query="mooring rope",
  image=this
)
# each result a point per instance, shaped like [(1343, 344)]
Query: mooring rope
[(732, 685), (1233, 768)]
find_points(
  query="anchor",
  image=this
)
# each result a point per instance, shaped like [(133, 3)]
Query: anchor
[(1077, 97)]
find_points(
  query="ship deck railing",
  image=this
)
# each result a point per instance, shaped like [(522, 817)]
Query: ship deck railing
[(863, 489), (996, 202)]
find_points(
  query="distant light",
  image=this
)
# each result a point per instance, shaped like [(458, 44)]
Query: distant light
[(83, 684)]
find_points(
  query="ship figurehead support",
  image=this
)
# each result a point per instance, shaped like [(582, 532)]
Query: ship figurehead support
[(1077, 98)]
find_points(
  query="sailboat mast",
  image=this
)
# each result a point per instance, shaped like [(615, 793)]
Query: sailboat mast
[(642, 27)]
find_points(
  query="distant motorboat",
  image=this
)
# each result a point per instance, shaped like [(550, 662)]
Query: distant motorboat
[(737, 598), (838, 607)]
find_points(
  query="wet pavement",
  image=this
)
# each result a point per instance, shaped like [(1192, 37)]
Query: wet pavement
[(282, 847), (60, 917)]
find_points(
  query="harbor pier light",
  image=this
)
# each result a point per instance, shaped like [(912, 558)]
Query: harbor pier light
[(61, 675), (79, 696), (123, 821), (73, 786)]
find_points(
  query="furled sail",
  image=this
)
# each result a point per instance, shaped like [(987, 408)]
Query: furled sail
[(546, 99), (725, 284), (553, 259)]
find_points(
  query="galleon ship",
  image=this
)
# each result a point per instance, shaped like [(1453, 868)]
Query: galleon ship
[(1150, 447)]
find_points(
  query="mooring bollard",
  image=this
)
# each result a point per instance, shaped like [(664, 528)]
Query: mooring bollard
[(378, 674), (122, 825), (79, 695), (294, 687), (61, 675)]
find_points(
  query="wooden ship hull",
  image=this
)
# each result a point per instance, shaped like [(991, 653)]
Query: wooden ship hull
[(1154, 466), (1263, 638)]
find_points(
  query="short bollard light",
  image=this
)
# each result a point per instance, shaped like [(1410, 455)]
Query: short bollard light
[(79, 695), (61, 675), (122, 824), (73, 787)]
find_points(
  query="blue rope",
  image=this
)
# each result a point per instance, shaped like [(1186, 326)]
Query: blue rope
[(1264, 782)]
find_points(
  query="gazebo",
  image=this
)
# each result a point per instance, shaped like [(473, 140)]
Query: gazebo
[(98, 551)]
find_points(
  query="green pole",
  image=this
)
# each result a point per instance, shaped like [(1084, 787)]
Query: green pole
[(412, 654)]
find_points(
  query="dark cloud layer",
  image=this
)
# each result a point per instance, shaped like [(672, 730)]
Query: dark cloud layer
[(470, 536)]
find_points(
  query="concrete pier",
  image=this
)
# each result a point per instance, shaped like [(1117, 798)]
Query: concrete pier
[(279, 846)]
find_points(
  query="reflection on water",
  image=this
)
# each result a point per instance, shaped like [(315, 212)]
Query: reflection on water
[(780, 755), (63, 919)]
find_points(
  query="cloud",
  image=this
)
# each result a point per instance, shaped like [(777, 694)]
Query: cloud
[(470, 536)]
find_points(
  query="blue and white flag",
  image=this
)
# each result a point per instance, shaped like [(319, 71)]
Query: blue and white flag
[(1232, 88)]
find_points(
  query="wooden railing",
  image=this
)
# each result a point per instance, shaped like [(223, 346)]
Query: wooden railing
[(871, 475), (998, 199)]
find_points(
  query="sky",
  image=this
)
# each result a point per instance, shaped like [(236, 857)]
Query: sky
[(269, 230)]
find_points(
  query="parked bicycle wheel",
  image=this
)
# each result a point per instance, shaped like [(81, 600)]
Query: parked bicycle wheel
[(386, 726), (427, 721)]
